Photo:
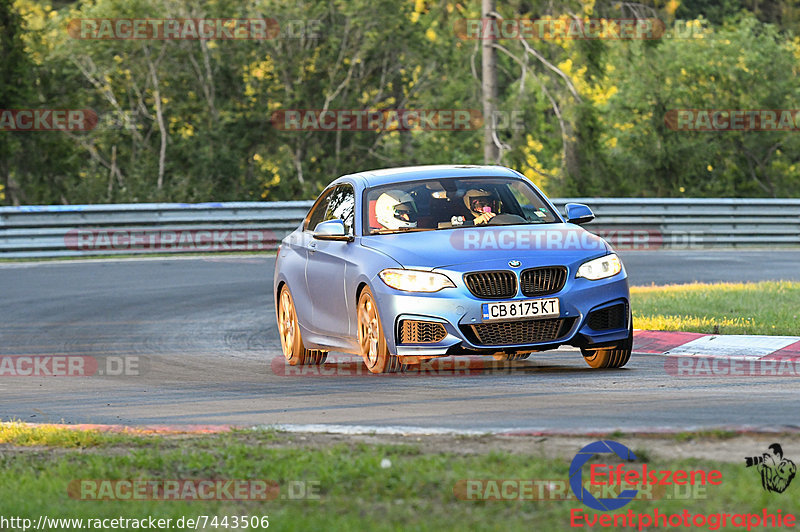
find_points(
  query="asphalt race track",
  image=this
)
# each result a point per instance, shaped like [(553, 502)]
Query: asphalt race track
[(194, 340)]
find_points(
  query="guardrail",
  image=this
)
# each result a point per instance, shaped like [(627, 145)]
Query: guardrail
[(628, 223)]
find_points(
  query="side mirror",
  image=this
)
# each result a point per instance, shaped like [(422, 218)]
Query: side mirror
[(578, 213), (331, 230)]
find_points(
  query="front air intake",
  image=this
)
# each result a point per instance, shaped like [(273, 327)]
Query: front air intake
[(613, 317), (421, 332)]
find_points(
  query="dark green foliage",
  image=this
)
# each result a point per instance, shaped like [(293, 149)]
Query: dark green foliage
[(217, 99)]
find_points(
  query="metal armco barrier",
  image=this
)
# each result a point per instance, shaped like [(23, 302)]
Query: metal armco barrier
[(628, 223)]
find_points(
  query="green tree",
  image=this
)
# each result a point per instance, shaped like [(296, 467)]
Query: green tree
[(723, 68), (15, 91)]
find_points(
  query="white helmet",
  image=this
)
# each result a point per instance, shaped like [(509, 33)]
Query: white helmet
[(395, 209)]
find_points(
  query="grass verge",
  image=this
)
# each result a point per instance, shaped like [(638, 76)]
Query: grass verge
[(356, 485), (769, 307)]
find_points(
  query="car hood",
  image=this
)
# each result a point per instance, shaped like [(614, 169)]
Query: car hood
[(532, 244)]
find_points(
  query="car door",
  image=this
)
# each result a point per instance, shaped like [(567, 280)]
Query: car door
[(294, 256), (326, 267)]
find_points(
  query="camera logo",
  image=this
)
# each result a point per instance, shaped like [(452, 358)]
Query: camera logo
[(776, 471)]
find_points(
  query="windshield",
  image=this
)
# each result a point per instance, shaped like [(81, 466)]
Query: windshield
[(449, 203)]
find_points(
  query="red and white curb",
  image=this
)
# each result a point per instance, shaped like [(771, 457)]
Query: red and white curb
[(739, 347), (713, 355)]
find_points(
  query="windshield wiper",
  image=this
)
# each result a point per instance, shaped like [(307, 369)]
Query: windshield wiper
[(399, 230)]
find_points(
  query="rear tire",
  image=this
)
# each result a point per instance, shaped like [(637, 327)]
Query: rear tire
[(371, 339), (291, 340)]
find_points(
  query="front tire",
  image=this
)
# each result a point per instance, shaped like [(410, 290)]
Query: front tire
[(371, 339), (610, 357), (291, 341)]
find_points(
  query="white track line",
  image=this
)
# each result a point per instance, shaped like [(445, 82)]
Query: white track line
[(399, 430), (736, 346), (376, 429)]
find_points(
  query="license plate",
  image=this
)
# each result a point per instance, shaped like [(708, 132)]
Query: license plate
[(528, 308)]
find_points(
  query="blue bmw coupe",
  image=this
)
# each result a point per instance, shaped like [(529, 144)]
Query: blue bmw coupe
[(407, 264)]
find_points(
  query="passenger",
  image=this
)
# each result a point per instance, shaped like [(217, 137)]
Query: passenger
[(396, 209)]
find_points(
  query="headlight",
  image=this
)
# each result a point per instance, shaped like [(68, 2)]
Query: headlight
[(600, 268), (415, 280)]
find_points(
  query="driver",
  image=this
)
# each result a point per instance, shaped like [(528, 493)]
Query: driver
[(482, 204), (396, 209)]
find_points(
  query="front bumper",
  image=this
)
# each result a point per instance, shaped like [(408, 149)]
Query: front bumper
[(457, 310)]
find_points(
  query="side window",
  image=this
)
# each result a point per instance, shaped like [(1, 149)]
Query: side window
[(342, 206), (317, 212), (533, 209)]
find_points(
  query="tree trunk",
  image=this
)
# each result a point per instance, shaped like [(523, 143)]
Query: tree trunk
[(489, 85)]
